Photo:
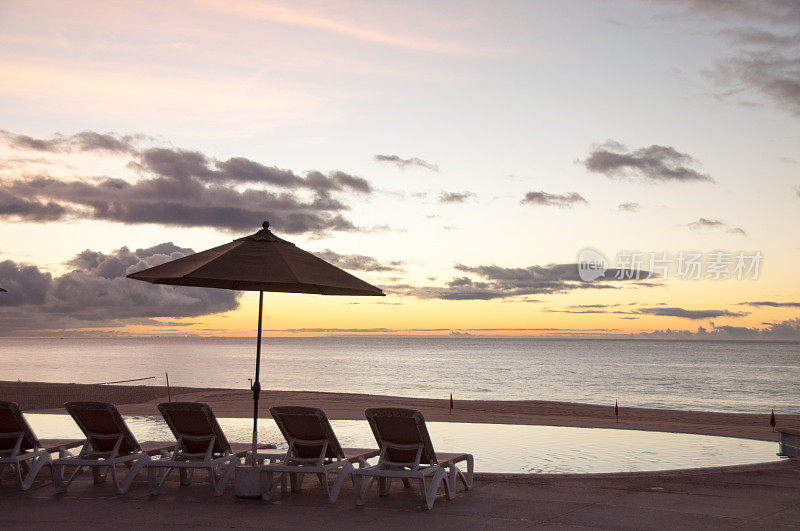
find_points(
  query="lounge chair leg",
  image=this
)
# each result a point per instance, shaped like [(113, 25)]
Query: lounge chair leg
[(272, 485), (99, 474), (323, 481), (186, 476), (469, 476), (152, 480), (223, 480), (57, 471), (359, 487), (36, 466), (384, 484), (450, 482), (18, 470), (430, 496), (212, 478), (136, 466), (341, 476), (296, 481), (114, 477)]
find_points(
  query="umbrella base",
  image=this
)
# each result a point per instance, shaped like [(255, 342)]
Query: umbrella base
[(249, 482)]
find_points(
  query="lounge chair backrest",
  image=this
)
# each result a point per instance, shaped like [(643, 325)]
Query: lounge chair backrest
[(195, 420), (401, 426), (307, 424), (102, 418), (12, 421)]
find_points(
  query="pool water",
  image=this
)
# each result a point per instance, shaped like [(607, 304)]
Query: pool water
[(501, 448)]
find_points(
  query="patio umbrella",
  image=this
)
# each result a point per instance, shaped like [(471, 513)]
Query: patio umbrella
[(259, 262)]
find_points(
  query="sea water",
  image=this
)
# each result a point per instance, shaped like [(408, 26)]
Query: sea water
[(733, 376)]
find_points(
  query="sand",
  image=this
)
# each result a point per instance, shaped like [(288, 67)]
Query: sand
[(142, 400)]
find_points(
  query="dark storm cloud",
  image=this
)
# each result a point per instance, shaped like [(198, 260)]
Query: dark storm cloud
[(654, 163), (707, 223), (496, 282), (772, 304), (95, 292), (358, 262), (567, 200), (183, 188), (455, 197), (689, 314), (404, 163), (629, 207)]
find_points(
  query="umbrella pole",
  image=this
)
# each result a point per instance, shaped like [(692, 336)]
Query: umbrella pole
[(256, 384)]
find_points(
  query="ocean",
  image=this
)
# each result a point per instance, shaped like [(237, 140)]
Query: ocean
[(733, 376)]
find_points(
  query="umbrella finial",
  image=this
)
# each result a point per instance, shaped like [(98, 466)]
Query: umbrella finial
[(265, 225)]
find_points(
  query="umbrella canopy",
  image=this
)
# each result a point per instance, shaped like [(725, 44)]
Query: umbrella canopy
[(259, 262)]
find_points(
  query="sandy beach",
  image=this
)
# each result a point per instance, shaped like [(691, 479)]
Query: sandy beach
[(142, 400), (754, 496)]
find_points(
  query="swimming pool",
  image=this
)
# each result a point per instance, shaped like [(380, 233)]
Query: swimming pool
[(501, 448)]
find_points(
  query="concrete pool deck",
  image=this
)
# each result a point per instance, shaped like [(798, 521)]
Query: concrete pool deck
[(753, 497), (750, 497)]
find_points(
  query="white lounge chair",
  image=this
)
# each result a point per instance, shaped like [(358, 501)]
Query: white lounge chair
[(201, 444), (109, 442), (313, 449), (21, 450), (407, 453)]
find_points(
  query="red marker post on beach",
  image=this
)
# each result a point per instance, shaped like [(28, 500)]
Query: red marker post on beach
[(772, 420), (451, 403), (616, 409)]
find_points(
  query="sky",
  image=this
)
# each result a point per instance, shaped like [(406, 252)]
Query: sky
[(466, 157)]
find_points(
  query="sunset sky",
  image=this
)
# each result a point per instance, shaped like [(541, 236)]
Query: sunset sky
[(460, 155)]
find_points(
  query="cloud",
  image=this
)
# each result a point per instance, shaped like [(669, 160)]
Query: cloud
[(358, 262), (405, 163), (706, 223), (782, 330), (629, 207), (764, 54), (95, 293), (589, 308), (771, 72), (455, 197), (703, 223), (496, 282), (83, 141), (653, 163), (772, 11), (183, 188), (567, 200), (689, 314), (772, 304)]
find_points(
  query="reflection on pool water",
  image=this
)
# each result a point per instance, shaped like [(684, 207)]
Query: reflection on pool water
[(505, 448)]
